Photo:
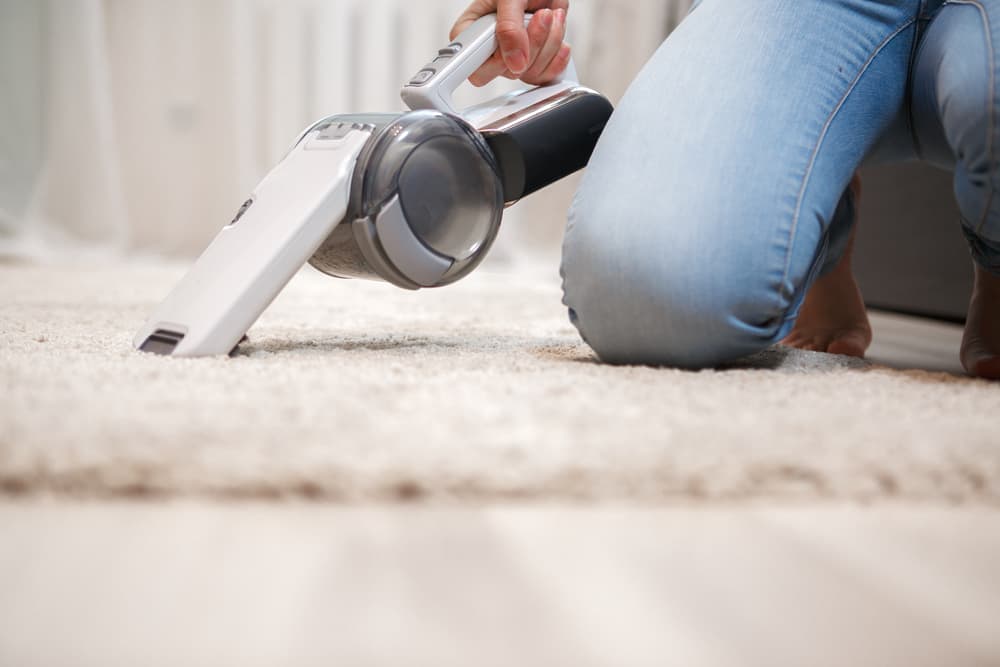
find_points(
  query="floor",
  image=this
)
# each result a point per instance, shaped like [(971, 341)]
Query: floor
[(289, 584), (902, 341)]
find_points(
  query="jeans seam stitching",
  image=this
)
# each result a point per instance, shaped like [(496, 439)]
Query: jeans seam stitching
[(990, 102), (822, 138), (915, 52)]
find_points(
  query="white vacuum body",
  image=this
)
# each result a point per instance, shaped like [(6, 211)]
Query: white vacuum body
[(414, 199)]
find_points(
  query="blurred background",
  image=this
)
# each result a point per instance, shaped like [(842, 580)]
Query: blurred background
[(139, 126)]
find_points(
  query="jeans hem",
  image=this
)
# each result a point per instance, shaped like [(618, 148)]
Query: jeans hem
[(986, 254)]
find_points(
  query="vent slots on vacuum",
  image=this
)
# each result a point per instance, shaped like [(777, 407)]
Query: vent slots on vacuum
[(162, 341)]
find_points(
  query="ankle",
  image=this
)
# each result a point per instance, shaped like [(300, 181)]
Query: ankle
[(986, 283)]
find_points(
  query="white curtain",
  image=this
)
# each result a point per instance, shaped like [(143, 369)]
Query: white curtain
[(140, 125)]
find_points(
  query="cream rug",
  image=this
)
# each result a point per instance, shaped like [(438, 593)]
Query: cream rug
[(480, 391)]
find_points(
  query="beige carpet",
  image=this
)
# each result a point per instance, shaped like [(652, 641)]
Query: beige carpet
[(481, 391)]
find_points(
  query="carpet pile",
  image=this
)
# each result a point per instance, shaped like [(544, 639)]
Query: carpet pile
[(355, 391)]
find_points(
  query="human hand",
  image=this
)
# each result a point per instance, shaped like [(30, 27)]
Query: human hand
[(536, 54)]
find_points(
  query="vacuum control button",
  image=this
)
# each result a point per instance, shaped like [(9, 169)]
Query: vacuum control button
[(334, 132), (449, 51), (422, 77)]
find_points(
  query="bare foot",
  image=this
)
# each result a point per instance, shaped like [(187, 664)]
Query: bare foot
[(981, 342), (833, 317)]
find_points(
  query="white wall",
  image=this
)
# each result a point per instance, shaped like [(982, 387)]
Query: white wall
[(142, 124)]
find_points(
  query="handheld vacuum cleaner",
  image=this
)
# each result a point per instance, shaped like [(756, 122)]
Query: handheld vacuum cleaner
[(414, 199)]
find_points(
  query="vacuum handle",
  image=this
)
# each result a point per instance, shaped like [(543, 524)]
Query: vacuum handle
[(291, 212), (435, 84)]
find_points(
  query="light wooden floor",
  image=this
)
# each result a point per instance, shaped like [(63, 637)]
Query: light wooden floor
[(273, 584), (901, 341)]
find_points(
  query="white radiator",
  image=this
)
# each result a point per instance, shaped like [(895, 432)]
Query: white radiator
[(341, 56)]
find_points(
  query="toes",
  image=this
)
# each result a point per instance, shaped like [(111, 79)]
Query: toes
[(988, 369), (846, 347), (801, 342), (851, 345), (980, 361)]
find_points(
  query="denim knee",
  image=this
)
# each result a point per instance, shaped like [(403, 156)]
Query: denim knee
[(656, 302)]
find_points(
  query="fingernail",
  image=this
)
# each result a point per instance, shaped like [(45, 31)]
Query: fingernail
[(561, 15), (546, 19), (516, 61)]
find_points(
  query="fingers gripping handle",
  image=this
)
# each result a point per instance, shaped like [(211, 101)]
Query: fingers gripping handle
[(435, 84)]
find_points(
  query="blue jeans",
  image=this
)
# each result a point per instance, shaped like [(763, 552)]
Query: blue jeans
[(718, 191)]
